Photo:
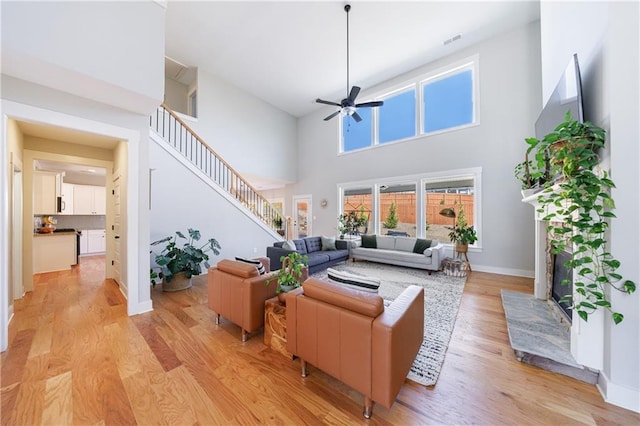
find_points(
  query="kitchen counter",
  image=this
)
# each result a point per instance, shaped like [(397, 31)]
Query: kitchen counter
[(48, 234), (54, 251)]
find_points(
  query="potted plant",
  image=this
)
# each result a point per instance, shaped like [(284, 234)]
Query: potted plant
[(292, 273), (578, 208), (178, 263), (350, 223), (277, 224), (462, 234)]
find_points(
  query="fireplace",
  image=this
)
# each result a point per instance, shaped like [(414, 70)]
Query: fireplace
[(559, 287)]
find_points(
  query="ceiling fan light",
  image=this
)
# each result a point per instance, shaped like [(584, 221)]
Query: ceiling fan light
[(348, 110)]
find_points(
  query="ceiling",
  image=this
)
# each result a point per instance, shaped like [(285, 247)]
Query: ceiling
[(290, 53)]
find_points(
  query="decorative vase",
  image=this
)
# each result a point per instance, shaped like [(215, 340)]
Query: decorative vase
[(177, 283), (284, 289), (462, 248)]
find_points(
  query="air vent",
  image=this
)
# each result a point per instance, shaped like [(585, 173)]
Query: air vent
[(452, 39)]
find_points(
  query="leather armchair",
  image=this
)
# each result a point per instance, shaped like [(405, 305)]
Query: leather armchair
[(351, 336), (237, 292)]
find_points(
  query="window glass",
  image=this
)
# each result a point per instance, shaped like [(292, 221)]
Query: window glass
[(448, 102), (357, 135), (397, 117), (398, 210), (357, 206), (458, 195)]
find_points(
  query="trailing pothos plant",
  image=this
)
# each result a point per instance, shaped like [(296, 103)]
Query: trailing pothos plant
[(578, 208)]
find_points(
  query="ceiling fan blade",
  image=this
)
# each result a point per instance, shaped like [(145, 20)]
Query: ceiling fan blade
[(356, 117), (321, 101), (329, 117), (353, 95), (370, 104)]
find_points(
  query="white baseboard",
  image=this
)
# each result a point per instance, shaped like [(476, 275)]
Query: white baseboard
[(503, 271), (140, 308), (615, 394)]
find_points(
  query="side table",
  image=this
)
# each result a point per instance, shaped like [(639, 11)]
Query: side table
[(275, 326), (455, 267)]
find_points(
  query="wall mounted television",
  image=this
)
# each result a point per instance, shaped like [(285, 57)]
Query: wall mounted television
[(567, 96)]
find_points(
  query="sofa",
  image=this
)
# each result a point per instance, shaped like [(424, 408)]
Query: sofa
[(401, 251), (237, 292), (353, 337), (319, 259)]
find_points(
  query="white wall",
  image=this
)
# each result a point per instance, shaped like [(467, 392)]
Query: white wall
[(111, 52), (251, 135), (176, 95), (509, 78), (605, 36), (181, 200)]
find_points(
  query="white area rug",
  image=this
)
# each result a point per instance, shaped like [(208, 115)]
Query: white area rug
[(442, 295)]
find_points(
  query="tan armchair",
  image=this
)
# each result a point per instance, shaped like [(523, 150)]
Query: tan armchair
[(351, 336), (237, 292)]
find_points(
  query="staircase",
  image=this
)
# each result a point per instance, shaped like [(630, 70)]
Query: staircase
[(179, 136)]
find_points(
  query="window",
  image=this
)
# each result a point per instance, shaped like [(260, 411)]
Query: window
[(357, 202), (357, 135), (398, 117), (457, 194), (448, 101), (398, 209), (411, 206), (441, 100)]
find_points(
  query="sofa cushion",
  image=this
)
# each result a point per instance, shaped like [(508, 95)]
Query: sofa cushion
[(369, 241), (356, 282), (421, 245), (301, 247), (385, 242), (313, 244), (259, 266), (337, 254), (328, 243), (316, 258), (405, 243)]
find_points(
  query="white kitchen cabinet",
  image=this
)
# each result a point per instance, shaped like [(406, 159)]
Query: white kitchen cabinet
[(67, 199), (96, 241), (89, 199), (84, 241), (46, 190)]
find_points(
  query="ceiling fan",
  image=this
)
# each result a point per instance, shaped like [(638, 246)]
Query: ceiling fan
[(348, 105)]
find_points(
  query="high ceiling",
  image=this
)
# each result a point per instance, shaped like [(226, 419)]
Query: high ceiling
[(290, 53)]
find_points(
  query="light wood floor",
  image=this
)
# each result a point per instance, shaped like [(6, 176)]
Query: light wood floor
[(76, 358)]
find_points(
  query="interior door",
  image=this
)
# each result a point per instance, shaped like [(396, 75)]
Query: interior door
[(116, 229), (302, 216)]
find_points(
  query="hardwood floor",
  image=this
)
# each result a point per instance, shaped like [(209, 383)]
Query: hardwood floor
[(76, 358)]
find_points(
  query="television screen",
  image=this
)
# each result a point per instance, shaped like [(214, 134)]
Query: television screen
[(567, 96)]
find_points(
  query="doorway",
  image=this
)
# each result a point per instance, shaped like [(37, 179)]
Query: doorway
[(17, 287), (302, 216)]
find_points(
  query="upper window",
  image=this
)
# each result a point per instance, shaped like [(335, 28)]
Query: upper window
[(448, 101), (398, 117), (356, 135), (440, 101)]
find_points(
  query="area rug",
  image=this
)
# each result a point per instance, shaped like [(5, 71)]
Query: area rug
[(442, 295)]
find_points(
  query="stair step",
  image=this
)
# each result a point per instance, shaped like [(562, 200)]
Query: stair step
[(538, 338)]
